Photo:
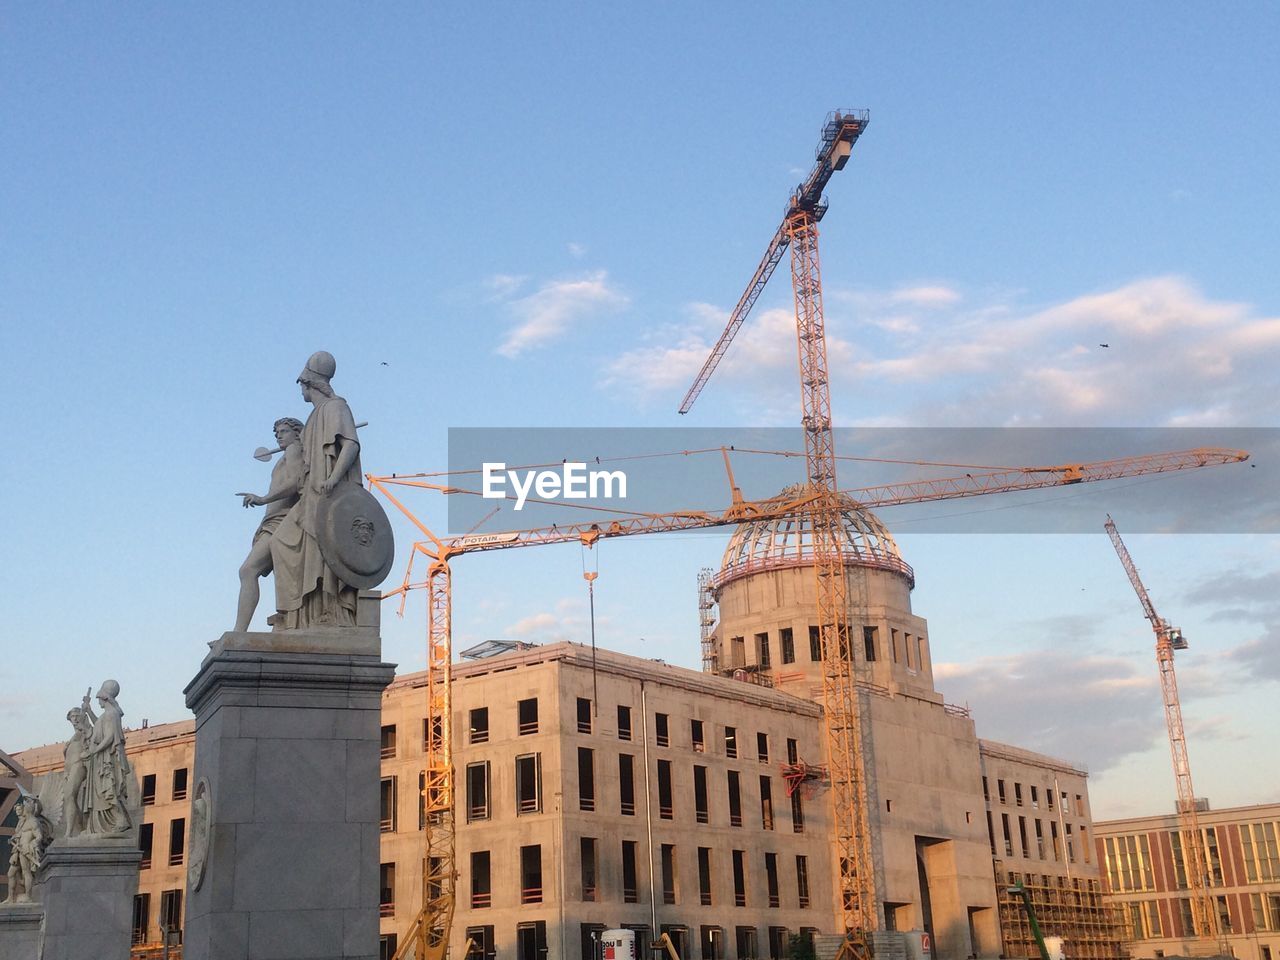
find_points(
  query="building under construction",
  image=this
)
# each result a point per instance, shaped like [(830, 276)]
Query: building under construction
[(609, 791)]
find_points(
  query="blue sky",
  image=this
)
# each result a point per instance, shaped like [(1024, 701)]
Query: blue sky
[(538, 215)]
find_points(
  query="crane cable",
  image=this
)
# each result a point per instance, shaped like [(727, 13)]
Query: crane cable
[(590, 576)]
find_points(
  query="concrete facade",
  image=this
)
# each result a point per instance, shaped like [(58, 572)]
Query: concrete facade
[(1146, 880)]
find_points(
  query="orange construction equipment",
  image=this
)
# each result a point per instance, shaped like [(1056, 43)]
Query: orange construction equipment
[(428, 936), (1168, 639)]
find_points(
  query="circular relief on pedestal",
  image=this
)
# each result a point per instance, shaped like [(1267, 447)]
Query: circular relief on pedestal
[(201, 828)]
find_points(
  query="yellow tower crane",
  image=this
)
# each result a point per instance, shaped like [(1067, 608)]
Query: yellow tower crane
[(843, 715), (1168, 639)]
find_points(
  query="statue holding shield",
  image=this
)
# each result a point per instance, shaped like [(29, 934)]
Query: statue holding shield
[(336, 539)]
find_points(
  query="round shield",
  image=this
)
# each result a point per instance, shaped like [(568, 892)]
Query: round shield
[(355, 536)]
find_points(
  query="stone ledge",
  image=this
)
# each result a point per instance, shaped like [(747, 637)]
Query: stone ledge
[(20, 915)]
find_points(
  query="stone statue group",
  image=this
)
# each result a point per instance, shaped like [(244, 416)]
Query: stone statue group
[(323, 535), (95, 791)]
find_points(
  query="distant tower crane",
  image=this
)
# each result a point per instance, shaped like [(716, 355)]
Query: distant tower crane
[(1169, 639), (842, 714)]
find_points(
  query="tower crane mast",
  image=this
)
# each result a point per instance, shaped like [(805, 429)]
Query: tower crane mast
[(1169, 639)]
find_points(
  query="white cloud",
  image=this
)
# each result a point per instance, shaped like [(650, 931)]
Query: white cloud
[(1076, 706), (504, 285), (1153, 352), (577, 250), (550, 311)]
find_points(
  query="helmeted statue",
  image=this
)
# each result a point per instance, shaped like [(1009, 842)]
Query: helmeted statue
[(309, 592), (96, 788)]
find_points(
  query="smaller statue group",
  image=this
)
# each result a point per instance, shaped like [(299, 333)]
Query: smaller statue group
[(94, 792), (96, 788)]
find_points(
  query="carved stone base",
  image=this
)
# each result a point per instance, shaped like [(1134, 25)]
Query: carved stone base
[(288, 739), (87, 894), (20, 930)]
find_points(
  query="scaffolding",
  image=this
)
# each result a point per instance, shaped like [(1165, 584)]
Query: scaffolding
[(1068, 907), (707, 619)]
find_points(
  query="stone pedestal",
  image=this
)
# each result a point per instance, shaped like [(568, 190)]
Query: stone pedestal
[(288, 740), (87, 892), (20, 931)]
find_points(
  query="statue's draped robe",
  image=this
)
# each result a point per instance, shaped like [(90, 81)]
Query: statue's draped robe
[(105, 787), (308, 593)]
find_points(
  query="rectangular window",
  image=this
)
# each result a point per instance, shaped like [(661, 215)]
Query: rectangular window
[(626, 785), (482, 937), (146, 842), (479, 725), (738, 651), (745, 940), (700, 804), (177, 841), (766, 803), (667, 860), (919, 652), (697, 737), (711, 943), (731, 742), (141, 917), (802, 881), (624, 723), (1008, 835), (662, 730), (630, 887), (815, 644), (584, 715), (1035, 797), (531, 940), (531, 874), (666, 806), (387, 804), (387, 943), (180, 783), (1048, 796), (1071, 843), (793, 751), (1022, 836), (762, 747), (170, 910), (386, 890), (389, 742), (1000, 791), (786, 640), (894, 643), (527, 716), (478, 780), (148, 789), (1039, 839), (1054, 841), (740, 879), (906, 649), (529, 783), (991, 834), (481, 880), (704, 876), (771, 878), (797, 812), (778, 943), (870, 639), (986, 791), (589, 869), (586, 779), (762, 650), (735, 799), (1017, 793)]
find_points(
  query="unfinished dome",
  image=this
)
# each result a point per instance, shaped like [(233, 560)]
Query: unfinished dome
[(776, 544)]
